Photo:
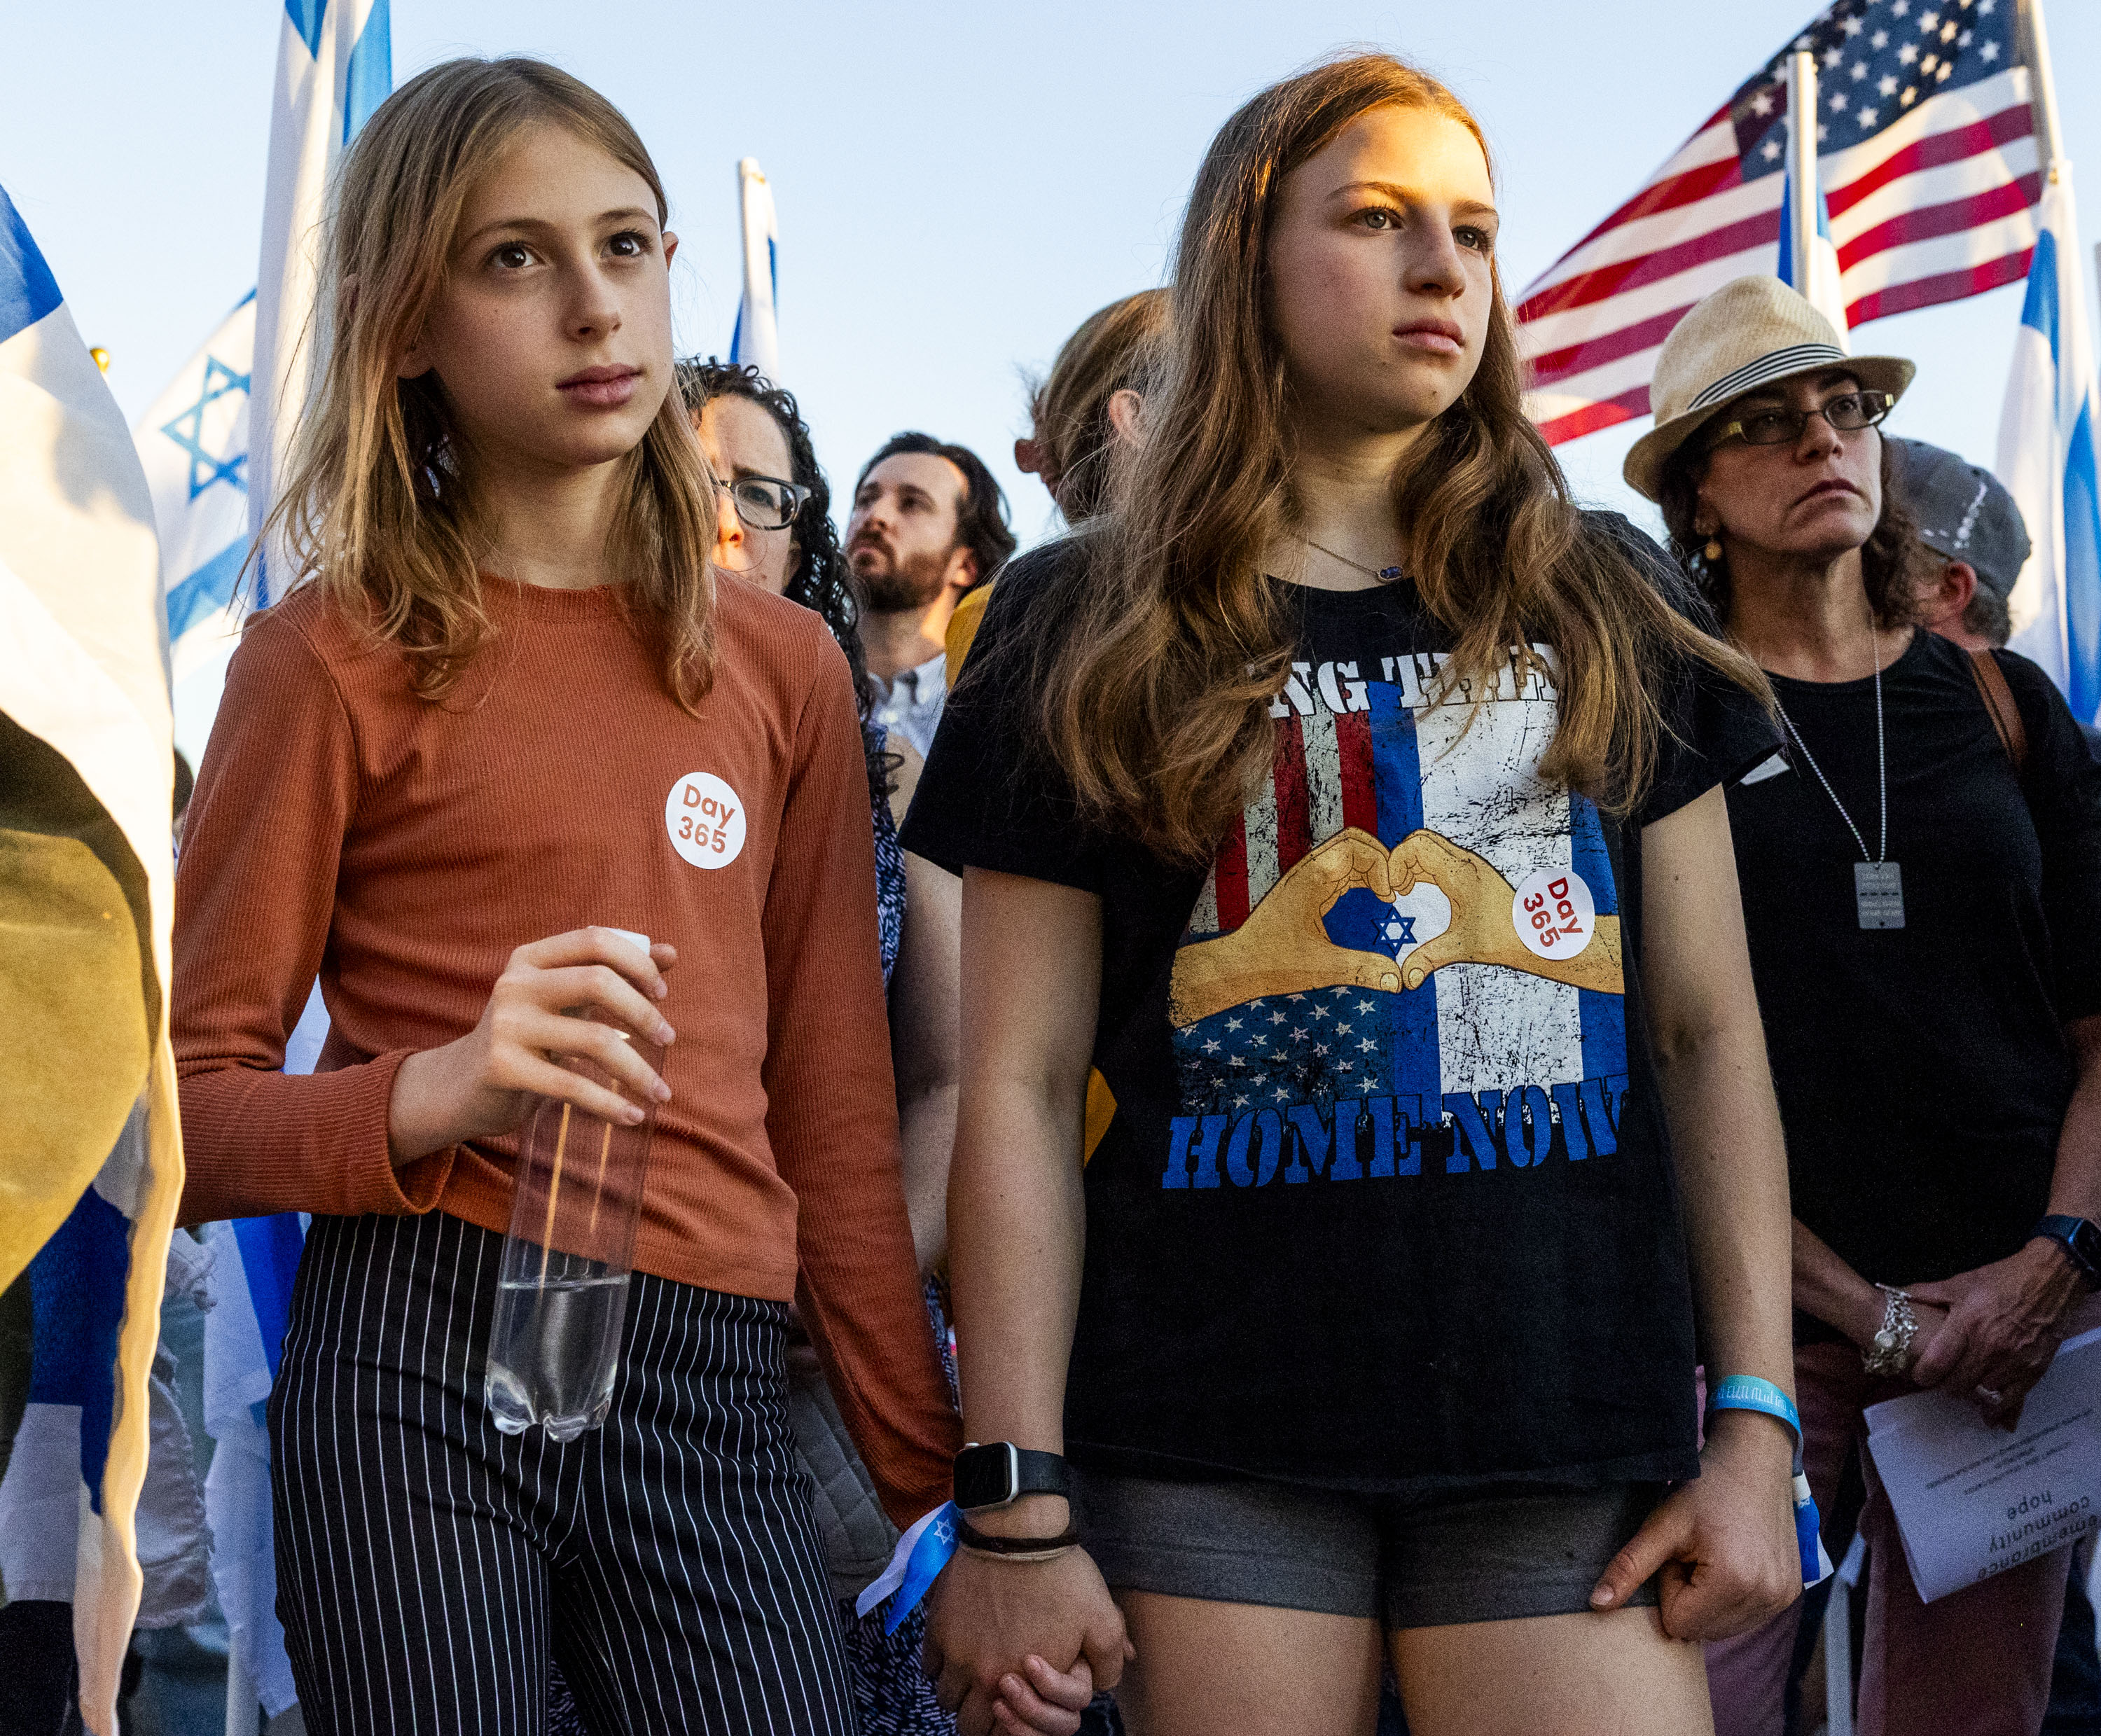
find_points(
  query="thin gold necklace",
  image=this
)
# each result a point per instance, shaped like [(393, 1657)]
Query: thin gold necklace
[(1381, 573)]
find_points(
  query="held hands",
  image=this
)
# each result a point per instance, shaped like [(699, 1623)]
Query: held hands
[(993, 1628), (1723, 1545), (481, 1085)]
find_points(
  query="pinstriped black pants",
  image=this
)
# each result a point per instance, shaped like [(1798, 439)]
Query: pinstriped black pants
[(428, 1565)]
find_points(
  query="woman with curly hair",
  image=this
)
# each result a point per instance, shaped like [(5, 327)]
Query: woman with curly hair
[(774, 528)]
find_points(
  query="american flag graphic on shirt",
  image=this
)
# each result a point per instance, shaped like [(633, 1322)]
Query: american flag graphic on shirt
[(1332, 1067)]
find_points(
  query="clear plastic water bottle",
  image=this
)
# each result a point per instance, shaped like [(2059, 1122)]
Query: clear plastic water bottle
[(562, 1285)]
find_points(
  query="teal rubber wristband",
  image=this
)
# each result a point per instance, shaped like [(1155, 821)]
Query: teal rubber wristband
[(1745, 1391)]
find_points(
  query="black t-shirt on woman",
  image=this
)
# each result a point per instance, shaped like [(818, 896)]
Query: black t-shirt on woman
[(1923, 1071), (1341, 1232)]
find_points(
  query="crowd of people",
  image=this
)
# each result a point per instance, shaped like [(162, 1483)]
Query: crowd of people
[(1362, 1063)]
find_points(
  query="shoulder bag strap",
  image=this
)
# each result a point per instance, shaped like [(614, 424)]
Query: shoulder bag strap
[(1999, 703)]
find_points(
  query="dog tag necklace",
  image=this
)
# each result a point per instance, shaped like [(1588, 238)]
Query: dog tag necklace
[(1877, 883)]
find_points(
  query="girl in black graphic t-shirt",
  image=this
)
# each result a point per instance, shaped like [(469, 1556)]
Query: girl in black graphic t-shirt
[(1352, 804)]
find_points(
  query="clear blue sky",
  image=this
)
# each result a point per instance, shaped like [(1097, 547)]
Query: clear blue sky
[(958, 185)]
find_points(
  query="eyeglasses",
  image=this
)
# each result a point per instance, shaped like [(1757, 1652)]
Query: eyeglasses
[(766, 503), (1848, 413)]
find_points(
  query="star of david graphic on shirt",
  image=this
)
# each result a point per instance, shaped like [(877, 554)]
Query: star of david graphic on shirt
[(187, 431)]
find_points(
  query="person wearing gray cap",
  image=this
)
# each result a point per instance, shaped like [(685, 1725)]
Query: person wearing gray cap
[(1973, 531), (1921, 873)]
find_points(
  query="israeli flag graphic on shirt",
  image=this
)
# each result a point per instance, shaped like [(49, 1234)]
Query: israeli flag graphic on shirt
[(1317, 1018)]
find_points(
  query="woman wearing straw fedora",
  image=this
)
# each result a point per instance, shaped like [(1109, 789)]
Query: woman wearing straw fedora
[(1931, 838)]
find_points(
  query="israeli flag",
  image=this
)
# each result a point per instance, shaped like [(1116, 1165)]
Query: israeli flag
[(1822, 288), (92, 1188), (193, 443), (757, 338), (921, 1554), (335, 66), (2046, 461)]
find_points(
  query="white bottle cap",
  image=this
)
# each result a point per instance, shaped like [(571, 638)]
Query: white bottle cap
[(633, 938)]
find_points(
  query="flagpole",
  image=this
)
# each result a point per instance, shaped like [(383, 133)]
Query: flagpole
[(2049, 135), (1802, 170)]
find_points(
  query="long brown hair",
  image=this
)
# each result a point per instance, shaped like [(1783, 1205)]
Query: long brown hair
[(1157, 669), (1069, 410), (1892, 568), (379, 509)]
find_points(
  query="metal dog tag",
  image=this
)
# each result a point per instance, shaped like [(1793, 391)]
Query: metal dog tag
[(1878, 893)]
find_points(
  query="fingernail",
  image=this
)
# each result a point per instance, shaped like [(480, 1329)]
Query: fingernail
[(665, 1034), (660, 988), (663, 1092), (631, 1114), (1601, 1596)]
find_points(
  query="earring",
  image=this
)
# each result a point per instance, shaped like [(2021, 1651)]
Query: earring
[(1712, 552)]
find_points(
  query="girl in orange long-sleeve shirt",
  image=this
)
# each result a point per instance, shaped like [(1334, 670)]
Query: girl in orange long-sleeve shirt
[(454, 750)]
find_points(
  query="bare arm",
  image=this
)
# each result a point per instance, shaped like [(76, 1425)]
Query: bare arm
[(1031, 980), (1724, 1542), (925, 992), (1718, 1091)]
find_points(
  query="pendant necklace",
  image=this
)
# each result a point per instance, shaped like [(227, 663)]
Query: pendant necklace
[(1381, 573), (1877, 883)]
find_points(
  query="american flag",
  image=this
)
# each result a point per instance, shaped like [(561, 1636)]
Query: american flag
[(1929, 166)]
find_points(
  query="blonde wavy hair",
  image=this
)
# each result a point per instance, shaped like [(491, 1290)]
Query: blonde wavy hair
[(378, 509), (1156, 666)]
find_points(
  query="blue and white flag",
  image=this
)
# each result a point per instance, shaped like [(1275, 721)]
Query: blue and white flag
[(193, 443), (89, 1177), (1821, 290), (757, 338), (2046, 461), (335, 66), (915, 1564)]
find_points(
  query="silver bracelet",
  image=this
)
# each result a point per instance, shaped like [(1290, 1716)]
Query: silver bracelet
[(1890, 1355)]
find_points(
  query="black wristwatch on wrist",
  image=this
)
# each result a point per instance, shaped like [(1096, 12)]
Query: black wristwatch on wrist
[(2079, 1237), (999, 1473)]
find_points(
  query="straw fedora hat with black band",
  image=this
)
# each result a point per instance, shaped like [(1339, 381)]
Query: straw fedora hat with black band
[(1747, 334)]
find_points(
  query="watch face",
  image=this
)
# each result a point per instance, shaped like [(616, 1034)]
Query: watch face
[(2086, 1245), (985, 1475)]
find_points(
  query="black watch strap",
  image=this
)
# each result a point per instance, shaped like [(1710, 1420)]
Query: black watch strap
[(999, 1473), (2079, 1237)]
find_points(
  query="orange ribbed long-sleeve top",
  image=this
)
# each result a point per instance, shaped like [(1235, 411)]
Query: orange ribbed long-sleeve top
[(399, 849)]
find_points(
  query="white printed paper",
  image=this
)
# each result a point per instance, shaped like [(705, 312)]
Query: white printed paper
[(1972, 1500)]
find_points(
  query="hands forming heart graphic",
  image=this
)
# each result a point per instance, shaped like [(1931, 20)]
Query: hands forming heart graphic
[(1284, 947)]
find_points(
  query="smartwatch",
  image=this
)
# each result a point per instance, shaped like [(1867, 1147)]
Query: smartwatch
[(2079, 1237), (1000, 1473)]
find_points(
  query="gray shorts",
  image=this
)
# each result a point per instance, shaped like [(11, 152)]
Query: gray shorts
[(1406, 1561)]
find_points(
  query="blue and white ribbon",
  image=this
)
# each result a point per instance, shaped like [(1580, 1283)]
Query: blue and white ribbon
[(921, 1554)]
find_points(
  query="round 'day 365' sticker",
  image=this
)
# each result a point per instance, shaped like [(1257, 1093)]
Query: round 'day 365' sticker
[(1555, 913), (704, 818)]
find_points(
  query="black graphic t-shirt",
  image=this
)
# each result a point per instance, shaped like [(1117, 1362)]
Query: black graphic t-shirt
[(1343, 1230), (1923, 1071)]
